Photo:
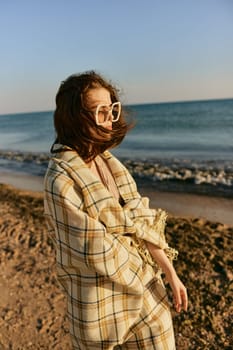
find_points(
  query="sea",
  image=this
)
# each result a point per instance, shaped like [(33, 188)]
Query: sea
[(179, 146)]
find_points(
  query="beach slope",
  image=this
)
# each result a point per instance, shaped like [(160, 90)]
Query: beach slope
[(32, 306)]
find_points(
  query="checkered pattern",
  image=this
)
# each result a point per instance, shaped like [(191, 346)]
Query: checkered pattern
[(115, 300)]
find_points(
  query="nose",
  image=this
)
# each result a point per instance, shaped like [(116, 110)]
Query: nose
[(108, 124)]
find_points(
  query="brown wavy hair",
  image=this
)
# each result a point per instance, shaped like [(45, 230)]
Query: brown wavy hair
[(73, 122)]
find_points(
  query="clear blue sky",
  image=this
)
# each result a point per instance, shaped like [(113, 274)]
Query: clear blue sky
[(154, 50)]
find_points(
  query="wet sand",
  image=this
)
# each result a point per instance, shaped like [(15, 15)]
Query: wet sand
[(32, 306), (192, 205)]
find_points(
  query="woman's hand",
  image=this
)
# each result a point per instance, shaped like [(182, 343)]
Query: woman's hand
[(179, 291)]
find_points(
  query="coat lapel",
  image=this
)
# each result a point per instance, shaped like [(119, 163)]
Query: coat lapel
[(125, 183)]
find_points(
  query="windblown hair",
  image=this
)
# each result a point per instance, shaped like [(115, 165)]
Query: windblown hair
[(74, 124)]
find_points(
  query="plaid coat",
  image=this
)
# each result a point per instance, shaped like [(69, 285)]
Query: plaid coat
[(114, 297)]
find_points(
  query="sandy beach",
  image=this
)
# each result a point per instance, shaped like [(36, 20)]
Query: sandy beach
[(32, 306)]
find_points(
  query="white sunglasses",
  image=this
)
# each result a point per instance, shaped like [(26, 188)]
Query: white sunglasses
[(105, 113)]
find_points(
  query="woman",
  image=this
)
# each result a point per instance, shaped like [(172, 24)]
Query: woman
[(110, 246)]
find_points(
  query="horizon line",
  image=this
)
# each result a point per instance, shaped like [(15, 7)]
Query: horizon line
[(134, 104)]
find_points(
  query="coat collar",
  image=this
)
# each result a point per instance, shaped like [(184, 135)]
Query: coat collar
[(125, 183), (99, 202)]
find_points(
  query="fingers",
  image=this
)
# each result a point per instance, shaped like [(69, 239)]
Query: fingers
[(179, 293), (181, 300), (178, 307), (184, 297)]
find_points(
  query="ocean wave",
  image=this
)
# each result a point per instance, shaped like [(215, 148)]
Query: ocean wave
[(198, 173), (217, 175), (209, 178), (27, 162), (38, 158)]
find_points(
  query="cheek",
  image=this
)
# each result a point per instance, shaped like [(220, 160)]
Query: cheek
[(107, 125)]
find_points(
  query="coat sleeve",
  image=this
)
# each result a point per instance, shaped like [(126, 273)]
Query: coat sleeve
[(150, 224), (83, 241)]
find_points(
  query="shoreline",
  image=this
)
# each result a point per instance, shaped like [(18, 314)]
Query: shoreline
[(191, 206), (211, 177), (178, 204)]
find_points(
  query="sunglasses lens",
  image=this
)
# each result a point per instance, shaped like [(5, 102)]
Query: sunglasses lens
[(105, 113), (115, 112)]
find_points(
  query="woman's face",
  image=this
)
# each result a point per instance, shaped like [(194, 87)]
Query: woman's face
[(100, 96)]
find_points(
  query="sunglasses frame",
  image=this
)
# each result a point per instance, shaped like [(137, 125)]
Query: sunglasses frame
[(109, 112)]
